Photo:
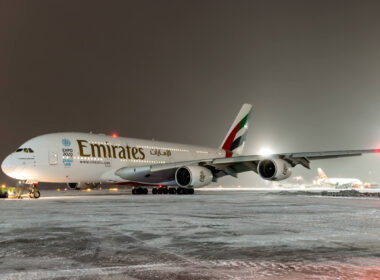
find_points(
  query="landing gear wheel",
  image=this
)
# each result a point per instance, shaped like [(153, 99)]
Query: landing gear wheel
[(140, 191), (185, 191), (154, 191), (36, 194), (172, 190)]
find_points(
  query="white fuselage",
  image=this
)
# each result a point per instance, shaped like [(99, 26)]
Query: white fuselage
[(93, 158), (341, 182)]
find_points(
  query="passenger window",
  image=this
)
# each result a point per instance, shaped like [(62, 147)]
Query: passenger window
[(30, 150), (26, 150), (18, 150)]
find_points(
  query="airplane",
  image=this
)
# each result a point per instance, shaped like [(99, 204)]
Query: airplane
[(80, 159), (337, 182)]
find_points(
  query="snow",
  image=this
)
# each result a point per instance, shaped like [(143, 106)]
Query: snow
[(209, 235)]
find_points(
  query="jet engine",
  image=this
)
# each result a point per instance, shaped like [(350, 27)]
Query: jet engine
[(274, 169), (193, 176)]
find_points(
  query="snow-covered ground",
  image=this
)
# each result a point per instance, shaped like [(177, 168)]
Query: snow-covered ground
[(210, 235)]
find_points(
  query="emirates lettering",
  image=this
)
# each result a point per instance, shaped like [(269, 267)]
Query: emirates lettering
[(109, 151)]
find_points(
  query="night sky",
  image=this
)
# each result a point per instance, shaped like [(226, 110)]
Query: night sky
[(179, 71)]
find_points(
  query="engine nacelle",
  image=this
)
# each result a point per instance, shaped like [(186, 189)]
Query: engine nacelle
[(274, 169), (193, 176)]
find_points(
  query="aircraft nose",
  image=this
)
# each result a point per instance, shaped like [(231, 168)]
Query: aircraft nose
[(8, 165)]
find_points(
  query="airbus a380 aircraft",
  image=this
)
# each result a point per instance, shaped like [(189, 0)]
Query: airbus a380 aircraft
[(86, 158), (337, 182)]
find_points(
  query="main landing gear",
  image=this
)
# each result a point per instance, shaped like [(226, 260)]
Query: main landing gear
[(166, 190), (34, 192), (139, 190), (185, 191), (163, 190)]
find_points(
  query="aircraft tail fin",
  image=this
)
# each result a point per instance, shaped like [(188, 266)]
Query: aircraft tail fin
[(322, 174), (234, 142)]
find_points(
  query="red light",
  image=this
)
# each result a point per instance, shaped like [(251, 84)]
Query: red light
[(114, 135), (377, 150)]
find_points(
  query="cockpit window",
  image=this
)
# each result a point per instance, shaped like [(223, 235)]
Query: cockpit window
[(25, 150)]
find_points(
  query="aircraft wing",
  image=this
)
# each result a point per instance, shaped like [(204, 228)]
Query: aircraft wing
[(228, 166)]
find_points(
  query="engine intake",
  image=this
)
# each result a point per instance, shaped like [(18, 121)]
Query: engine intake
[(193, 176), (274, 169)]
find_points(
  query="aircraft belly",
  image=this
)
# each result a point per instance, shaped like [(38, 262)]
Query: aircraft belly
[(144, 174), (151, 178)]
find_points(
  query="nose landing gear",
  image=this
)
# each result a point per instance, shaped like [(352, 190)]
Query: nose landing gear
[(34, 192)]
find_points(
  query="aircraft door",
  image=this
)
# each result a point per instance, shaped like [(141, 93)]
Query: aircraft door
[(53, 158)]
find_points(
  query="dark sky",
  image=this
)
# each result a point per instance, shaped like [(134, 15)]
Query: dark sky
[(180, 70)]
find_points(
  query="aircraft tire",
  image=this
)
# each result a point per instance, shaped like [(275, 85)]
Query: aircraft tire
[(172, 190), (190, 191), (180, 190), (36, 194), (154, 191), (165, 191), (145, 191), (133, 191)]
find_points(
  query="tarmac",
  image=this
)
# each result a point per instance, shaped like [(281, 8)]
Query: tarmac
[(209, 235)]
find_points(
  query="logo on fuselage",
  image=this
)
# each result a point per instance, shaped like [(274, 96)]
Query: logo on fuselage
[(285, 170), (66, 142), (67, 153), (202, 176), (107, 150)]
